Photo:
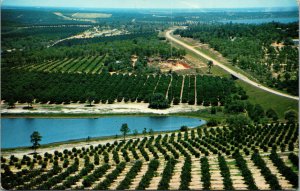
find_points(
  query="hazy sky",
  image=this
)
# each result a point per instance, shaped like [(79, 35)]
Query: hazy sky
[(153, 3)]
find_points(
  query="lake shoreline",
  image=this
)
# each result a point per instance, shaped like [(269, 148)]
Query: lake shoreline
[(89, 115), (15, 131), (69, 144)]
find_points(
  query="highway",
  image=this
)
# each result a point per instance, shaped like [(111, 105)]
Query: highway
[(232, 72)]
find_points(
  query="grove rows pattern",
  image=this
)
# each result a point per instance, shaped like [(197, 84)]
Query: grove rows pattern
[(254, 157), (60, 88)]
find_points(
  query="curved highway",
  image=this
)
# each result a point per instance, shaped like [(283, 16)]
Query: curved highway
[(232, 72)]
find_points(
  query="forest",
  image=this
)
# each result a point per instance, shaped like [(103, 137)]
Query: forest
[(254, 48), (35, 38)]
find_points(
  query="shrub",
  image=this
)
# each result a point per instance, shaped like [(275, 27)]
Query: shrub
[(213, 110), (212, 122), (291, 116), (158, 101), (183, 128), (176, 101), (66, 163), (294, 159), (238, 121)]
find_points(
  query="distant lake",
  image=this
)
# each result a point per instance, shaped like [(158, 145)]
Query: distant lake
[(16, 132), (263, 20)]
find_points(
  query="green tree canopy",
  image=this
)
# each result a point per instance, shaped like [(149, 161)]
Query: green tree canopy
[(212, 122), (35, 138), (209, 65), (90, 97), (144, 132), (124, 129), (291, 116), (271, 113), (238, 121), (159, 101)]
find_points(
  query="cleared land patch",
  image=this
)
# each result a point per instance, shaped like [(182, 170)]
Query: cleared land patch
[(91, 15)]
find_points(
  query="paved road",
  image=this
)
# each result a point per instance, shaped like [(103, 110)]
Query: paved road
[(232, 72)]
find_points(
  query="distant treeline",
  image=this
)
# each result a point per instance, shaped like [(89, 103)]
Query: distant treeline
[(80, 41)]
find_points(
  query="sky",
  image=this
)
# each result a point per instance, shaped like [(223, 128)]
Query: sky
[(189, 4)]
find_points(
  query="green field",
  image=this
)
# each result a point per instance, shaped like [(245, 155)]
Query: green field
[(268, 100)]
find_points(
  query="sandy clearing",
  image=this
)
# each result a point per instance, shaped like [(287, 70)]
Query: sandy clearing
[(90, 15), (116, 108)]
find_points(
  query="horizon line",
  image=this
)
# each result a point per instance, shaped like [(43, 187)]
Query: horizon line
[(20, 6)]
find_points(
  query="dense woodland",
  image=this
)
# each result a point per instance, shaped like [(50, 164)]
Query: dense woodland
[(250, 48), (27, 39)]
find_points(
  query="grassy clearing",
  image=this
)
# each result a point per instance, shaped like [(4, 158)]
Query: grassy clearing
[(267, 100)]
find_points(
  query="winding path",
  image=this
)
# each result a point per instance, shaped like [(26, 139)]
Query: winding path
[(232, 72)]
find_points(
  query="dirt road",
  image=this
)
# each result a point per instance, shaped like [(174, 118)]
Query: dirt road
[(232, 72)]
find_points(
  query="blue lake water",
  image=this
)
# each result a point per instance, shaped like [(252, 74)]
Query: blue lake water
[(15, 132), (263, 20)]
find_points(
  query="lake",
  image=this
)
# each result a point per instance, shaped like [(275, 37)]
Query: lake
[(15, 132), (263, 20)]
